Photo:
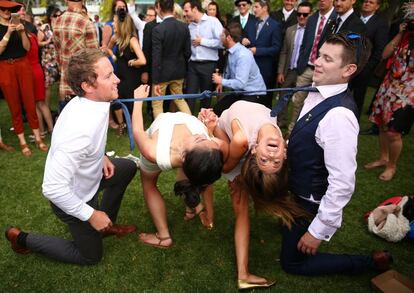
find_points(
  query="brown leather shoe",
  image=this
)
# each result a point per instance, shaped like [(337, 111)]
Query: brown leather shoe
[(119, 230), (11, 235), (382, 260), (6, 147)]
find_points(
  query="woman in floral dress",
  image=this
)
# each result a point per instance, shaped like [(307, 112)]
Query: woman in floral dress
[(49, 57), (393, 110)]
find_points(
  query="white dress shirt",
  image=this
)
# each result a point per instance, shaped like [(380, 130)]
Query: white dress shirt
[(365, 19), (138, 22), (209, 29), (73, 169), (337, 135), (286, 13)]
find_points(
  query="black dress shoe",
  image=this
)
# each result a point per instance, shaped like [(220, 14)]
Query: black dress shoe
[(119, 230), (11, 234), (373, 130), (382, 260)]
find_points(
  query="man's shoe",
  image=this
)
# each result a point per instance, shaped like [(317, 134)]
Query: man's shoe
[(6, 147), (373, 130), (382, 260), (119, 230), (11, 235)]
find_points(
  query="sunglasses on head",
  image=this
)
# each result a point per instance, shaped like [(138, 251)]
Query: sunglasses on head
[(353, 37), (299, 14)]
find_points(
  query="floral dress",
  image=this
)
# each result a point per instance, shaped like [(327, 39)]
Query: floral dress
[(49, 58), (397, 90)]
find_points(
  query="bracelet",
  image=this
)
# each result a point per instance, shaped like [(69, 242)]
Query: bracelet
[(6, 38)]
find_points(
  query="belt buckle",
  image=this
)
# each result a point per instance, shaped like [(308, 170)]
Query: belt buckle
[(11, 60)]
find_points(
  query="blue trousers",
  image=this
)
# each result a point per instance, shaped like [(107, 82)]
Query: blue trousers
[(294, 261)]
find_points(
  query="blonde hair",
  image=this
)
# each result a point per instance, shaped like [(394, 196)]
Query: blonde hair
[(178, 12), (124, 32), (270, 192)]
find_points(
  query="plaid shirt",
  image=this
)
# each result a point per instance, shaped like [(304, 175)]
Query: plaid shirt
[(72, 32)]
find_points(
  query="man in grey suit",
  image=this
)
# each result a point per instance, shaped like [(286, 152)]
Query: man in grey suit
[(288, 58)]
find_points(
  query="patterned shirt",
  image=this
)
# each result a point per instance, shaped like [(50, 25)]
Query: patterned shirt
[(72, 32)]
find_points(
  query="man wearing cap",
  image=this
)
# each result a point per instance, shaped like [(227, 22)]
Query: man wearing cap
[(72, 31), (245, 18)]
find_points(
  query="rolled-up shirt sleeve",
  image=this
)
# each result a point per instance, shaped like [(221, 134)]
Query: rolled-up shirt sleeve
[(58, 183), (337, 135)]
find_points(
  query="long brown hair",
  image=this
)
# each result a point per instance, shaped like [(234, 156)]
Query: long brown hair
[(124, 32), (270, 192)]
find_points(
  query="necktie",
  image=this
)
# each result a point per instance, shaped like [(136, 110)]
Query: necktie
[(338, 23), (258, 27), (296, 47), (243, 22), (314, 51)]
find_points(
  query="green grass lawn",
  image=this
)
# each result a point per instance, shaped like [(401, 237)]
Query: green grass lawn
[(200, 260)]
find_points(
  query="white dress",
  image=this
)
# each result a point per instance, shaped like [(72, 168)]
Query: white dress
[(164, 124)]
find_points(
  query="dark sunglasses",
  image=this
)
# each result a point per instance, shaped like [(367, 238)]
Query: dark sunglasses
[(241, 4), (299, 14), (353, 37), (57, 14), (5, 9)]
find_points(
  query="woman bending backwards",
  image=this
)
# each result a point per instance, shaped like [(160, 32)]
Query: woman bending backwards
[(176, 141), (255, 166)]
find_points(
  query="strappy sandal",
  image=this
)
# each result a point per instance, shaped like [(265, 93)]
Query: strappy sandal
[(190, 215), (26, 151), (41, 145), (121, 129), (160, 240)]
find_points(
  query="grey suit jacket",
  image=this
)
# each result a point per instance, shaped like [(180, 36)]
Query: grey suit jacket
[(287, 49)]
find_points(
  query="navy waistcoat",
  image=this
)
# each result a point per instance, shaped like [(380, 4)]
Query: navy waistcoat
[(307, 172)]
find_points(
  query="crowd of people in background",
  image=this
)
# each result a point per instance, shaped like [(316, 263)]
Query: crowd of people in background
[(187, 48)]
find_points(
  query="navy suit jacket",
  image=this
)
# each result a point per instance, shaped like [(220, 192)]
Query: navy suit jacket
[(268, 45), (353, 24), (309, 37), (250, 24), (377, 32)]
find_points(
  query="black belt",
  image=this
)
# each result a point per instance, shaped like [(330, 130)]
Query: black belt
[(203, 61)]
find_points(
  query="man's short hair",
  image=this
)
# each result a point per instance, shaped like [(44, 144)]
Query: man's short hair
[(166, 5), (234, 30), (263, 3), (305, 4), (81, 69), (356, 48), (194, 3)]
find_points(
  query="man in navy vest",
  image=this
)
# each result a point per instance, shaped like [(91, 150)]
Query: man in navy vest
[(322, 162)]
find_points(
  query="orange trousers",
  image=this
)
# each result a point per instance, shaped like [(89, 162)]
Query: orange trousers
[(16, 83)]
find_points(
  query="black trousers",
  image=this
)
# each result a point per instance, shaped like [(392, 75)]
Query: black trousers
[(199, 79), (86, 246), (225, 102)]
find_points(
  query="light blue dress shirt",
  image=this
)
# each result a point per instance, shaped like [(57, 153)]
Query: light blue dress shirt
[(242, 72), (209, 29)]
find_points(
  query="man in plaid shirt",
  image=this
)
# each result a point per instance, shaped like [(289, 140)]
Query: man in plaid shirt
[(73, 30)]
